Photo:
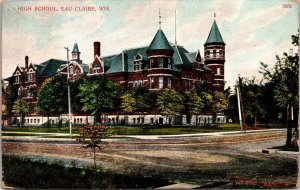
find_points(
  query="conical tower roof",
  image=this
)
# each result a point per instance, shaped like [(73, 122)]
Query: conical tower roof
[(160, 42), (75, 49), (214, 35)]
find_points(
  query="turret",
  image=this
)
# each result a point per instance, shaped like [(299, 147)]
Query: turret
[(76, 54), (214, 52)]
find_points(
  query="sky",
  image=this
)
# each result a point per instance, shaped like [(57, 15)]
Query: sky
[(253, 30)]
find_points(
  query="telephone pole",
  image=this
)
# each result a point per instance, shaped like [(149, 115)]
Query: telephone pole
[(69, 92)]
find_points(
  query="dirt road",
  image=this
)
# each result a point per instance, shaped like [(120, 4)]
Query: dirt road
[(195, 160)]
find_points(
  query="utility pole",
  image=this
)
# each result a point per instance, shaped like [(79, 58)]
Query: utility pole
[(239, 107), (69, 92)]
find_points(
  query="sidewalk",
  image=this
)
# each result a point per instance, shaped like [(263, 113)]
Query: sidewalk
[(201, 134), (66, 137)]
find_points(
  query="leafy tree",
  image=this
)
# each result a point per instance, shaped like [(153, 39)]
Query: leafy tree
[(52, 97), (137, 101), (193, 103), (91, 136), (253, 95), (20, 107), (10, 97), (128, 102), (76, 104), (170, 103), (99, 96), (284, 77), (220, 102)]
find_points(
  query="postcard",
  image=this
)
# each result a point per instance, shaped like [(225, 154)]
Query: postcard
[(100, 94)]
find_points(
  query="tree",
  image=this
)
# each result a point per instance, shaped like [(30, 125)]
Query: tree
[(128, 102), (76, 104), (193, 103), (220, 103), (170, 103), (137, 101), (91, 136), (99, 96), (52, 97), (10, 98), (20, 107), (253, 96), (284, 77)]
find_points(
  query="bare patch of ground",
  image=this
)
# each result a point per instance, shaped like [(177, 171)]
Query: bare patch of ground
[(198, 160)]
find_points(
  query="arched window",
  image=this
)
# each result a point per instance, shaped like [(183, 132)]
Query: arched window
[(20, 91), (137, 65), (71, 70), (30, 75)]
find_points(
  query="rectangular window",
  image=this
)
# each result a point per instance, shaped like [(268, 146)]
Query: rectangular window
[(169, 63), (169, 82), (17, 79), (151, 82), (151, 63), (160, 82), (211, 54), (218, 53), (160, 62), (218, 71)]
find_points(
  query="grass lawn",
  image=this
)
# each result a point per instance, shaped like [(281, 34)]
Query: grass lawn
[(130, 130)]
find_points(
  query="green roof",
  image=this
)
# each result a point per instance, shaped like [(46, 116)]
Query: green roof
[(181, 57), (214, 35), (49, 68), (75, 49), (160, 42)]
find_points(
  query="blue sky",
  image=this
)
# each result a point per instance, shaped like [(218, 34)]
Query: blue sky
[(253, 30)]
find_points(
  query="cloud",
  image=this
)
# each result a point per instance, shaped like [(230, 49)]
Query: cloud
[(242, 39), (141, 24), (13, 53), (197, 29)]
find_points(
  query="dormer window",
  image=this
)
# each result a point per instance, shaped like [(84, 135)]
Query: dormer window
[(97, 69), (137, 65), (17, 77), (30, 75)]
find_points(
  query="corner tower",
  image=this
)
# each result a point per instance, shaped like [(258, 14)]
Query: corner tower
[(76, 54), (159, 61), (214, 52)]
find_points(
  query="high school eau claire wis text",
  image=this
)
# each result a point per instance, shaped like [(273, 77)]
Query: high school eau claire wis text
[(62, 8)]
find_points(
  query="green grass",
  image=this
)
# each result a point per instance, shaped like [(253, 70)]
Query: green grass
[(41, 129), (137, 130), (42, 174)]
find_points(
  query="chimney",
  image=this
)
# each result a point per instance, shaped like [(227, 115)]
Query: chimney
[(26, 61), (97, 46)]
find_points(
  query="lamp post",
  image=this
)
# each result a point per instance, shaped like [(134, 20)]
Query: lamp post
[(69, 93)]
